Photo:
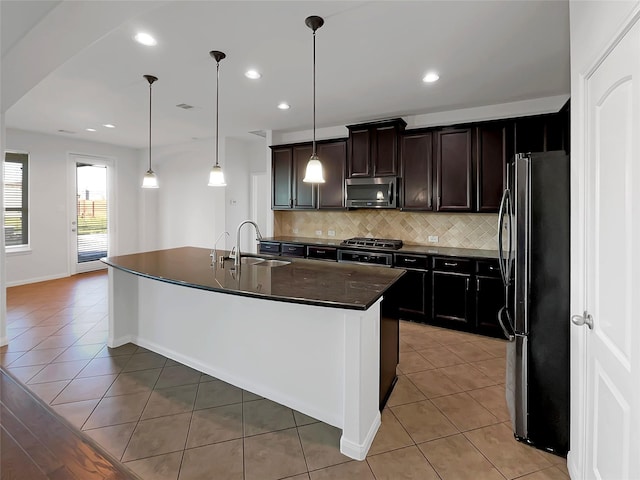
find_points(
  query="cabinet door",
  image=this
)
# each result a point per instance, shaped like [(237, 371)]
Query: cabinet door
[(450, 300), (453, 172), (413, 303), (385, 153), (333, 156), (281, 163), (492, 155), (489, 299), (304, 194), (359, 153), (416, 168)]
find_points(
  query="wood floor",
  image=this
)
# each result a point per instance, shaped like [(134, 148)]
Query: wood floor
[(37, 445)]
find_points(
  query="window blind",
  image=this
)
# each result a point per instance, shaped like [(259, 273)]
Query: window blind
[(16, 220)]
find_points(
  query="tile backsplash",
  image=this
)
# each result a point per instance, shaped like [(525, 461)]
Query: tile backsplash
[(459, 230)]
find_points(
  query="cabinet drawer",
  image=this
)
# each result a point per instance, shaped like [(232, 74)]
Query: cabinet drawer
[(453, 264), (488, 268), (270, 247), (322, 253), (418, 262), (292, 250)]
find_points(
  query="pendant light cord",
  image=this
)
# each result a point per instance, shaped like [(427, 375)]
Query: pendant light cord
[(217, 107), (314, 92), (150, 127)]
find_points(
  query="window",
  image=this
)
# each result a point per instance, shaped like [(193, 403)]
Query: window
[(16, 208)]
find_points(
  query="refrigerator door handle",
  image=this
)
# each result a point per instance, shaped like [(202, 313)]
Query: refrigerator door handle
[(505, 263)]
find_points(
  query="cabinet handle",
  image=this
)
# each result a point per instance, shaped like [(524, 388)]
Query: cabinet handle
[(477, 284), (491, 267), (290, 202), (450, 264), (410, 260), (321, 252), (467, 282)]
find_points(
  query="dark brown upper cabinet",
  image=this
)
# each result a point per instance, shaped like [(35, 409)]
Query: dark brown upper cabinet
[(416, 170), (282, 175), (494, 148), (333, 155), (288, 190), (373, 148), (454, 170), (542, 133)]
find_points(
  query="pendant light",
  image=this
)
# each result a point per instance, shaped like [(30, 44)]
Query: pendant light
[(150, 180), (313, 174), (216, 177)]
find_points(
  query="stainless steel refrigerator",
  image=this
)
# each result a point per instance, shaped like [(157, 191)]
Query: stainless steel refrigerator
[(534, 244)]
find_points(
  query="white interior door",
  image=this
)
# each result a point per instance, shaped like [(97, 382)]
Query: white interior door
[(611, 242), (90, 212)]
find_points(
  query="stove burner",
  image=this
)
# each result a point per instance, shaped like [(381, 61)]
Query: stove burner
[(390, 244)]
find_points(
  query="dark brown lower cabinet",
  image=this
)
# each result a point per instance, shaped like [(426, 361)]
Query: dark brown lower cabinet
[(389, 356), (489, 300), (450, 305), (413, 301)]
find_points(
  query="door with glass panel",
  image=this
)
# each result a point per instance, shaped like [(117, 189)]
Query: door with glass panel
[(90, 212)]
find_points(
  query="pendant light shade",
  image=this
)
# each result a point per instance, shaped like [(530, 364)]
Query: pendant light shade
[(216, 177), (313, 173), (150, 180)]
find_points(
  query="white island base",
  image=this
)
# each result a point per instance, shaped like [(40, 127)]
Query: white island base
[(321, 361)]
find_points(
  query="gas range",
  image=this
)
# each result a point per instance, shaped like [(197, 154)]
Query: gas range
[(368, 251), (364, 242)]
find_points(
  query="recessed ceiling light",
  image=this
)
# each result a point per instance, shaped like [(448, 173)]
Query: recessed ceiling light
[(252, 74), (430, 77), (108, 125), (90, 129), (284, 106), (145, 39)]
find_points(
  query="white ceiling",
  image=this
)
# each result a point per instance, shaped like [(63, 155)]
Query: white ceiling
[(371, 57)]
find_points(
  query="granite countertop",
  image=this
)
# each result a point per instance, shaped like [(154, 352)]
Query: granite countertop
[(339, 285), (417, 249)]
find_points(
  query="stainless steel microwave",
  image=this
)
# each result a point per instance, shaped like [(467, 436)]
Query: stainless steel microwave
[(375, 192)]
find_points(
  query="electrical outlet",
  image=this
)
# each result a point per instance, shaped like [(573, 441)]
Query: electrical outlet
[(318, 232), (295, 230), (433, 239), (331, 233)]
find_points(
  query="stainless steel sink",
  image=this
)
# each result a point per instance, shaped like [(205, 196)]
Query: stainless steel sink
[(251, 260), (274, 263)]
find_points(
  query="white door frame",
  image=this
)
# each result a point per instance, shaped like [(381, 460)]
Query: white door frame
[(109, 162), (579, 462)]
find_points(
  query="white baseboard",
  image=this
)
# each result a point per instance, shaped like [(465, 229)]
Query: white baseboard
[(27, 281), (357, 451)]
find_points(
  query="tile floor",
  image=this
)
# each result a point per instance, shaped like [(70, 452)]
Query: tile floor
[(446, 419)]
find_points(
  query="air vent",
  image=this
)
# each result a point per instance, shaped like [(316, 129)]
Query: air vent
[(65, 131), (260, 133), (184, 106)]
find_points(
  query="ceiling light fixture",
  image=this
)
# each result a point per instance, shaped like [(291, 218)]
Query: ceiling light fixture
[(145, 39), (430, 77), (252, 74), (313, 173), (150, 180), (216, 177), (284, 106), (90, 129), (108, 125)]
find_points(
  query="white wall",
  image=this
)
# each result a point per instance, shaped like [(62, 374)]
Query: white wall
[(593, 25), (49, 194), (241, 159), (184, 211), (187, 212)]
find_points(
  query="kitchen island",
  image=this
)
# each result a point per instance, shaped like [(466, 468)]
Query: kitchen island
[(305, 334)]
